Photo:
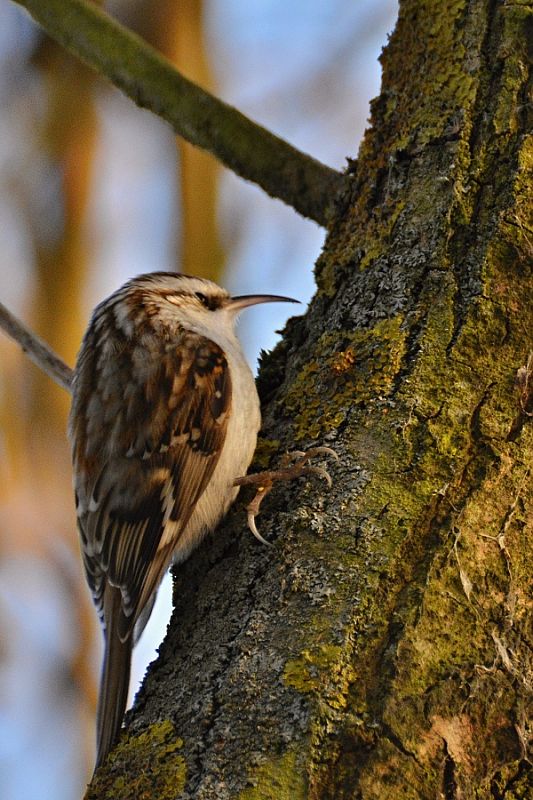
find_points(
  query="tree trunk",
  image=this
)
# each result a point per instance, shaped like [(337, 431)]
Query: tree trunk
[(382, 648)]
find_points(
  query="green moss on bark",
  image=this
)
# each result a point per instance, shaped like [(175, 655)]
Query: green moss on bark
[(349, 368), (149, 765), (281, 778)]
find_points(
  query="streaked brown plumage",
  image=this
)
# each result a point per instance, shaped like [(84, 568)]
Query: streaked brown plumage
[(164, 418)]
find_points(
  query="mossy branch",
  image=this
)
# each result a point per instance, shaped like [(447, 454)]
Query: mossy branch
[(151, 81)]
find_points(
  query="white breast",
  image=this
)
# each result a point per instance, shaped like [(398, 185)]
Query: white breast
[(237, 453)]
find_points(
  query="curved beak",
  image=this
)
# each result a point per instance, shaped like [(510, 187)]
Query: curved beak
[(245, 300)]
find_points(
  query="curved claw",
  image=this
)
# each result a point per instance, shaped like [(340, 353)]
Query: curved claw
[(329, 451), (253, 528), (322, 473), (301, 457), (293, 465)]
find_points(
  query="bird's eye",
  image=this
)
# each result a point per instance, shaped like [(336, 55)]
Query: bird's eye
[(204, 300)]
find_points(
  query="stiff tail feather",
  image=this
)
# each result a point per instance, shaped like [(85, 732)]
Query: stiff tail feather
[(113, 695)]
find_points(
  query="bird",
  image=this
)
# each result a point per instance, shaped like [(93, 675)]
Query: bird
[(164, 419)]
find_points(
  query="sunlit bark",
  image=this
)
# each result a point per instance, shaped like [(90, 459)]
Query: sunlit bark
[(382, 649)]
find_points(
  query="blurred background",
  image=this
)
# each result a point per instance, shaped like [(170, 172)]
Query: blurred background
[(93, 191)]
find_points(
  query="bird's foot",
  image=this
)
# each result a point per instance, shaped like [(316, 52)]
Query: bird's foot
[(293, 465)]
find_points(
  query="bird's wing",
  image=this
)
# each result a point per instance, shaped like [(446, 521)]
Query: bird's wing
[(148, 426)]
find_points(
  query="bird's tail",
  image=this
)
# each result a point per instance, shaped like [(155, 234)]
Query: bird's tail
[(113, 695)]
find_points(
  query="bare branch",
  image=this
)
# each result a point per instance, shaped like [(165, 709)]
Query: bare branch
[(151, 81), (37, 350)]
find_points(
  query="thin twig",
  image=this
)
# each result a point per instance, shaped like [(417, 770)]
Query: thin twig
[(37, 350), (152, 82)]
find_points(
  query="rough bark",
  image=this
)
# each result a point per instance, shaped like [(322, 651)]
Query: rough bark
[(382, 648)]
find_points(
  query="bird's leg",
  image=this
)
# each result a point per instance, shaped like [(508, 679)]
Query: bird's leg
[(293, 465)]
